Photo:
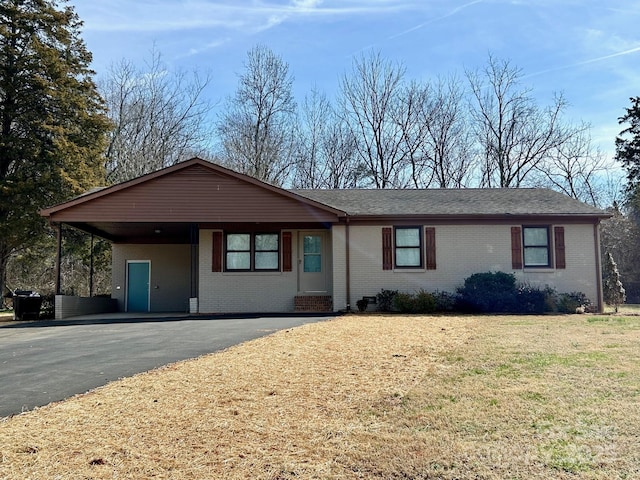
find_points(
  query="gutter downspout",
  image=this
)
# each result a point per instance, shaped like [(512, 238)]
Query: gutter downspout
[(596, 241), (348, 263)]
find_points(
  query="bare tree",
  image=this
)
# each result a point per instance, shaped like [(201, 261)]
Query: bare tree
[(258, 127), (448, 144), (326, 148), (159, 117), (514, 134), (370, 106), (412, 117), (575, 168)]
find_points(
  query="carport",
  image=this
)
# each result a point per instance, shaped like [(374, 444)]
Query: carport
[(157, 224)]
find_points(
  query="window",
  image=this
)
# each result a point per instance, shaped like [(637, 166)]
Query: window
[(238, 251), (252, 252), (536, 246), (312, 254), (408, 247), (266, 251)]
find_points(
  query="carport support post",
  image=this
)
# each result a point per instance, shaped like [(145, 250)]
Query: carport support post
[(59, 261), (91, 269), (193, 300)]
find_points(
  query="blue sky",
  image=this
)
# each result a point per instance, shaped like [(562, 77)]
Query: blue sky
[(587, 49)]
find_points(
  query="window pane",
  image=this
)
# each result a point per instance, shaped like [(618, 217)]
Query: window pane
[(238, 241), (313, 263), (238, 260), (266, 260), (267, 242), (312, 244), (535, 237), (536, 257), (407, 237), (408, 257)]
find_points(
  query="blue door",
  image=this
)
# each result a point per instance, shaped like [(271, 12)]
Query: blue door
[(138, 286)]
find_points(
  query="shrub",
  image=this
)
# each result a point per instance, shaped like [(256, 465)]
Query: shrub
[(425, 302), (445, 301), (550, 300), (420, 302), (385, 300), (488, 292), (569, 302), (498, 292), (530, 299), (362, 304), (404, 302)]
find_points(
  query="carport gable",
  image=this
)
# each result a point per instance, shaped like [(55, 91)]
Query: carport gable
[(192, 192)]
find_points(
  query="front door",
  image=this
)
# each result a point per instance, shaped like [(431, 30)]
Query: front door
[(312, 264), (138, 286)]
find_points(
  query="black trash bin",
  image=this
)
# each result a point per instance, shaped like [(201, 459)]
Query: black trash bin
[(26, 306)]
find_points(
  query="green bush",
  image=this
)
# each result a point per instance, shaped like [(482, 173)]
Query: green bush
[(498, 292), (445, 301), (425, 302), (420, 302), (489, 292), (530, 299), (362, 304), (385, 300), (569, 302), (404, 302)]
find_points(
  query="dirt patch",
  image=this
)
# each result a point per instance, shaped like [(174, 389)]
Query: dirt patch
[(361, 397)]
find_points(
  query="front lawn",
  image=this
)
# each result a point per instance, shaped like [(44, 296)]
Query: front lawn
[(362, 396)]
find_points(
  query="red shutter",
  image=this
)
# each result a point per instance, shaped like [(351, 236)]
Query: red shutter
[(216, 252), (387, 249), (430, 240), (516, 248), (558, 234), (286, 252)]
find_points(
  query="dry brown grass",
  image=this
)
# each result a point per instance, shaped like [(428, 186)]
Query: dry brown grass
[(361, 397)]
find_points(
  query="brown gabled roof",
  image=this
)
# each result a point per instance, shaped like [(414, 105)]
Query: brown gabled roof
[(99, 192), (194, 192)]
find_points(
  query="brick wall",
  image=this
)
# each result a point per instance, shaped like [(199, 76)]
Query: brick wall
[(313, 303), (461, 250), (243, 291)]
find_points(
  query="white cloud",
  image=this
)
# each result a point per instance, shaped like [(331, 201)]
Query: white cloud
[(206, 47), (168, 15), (450, 13)]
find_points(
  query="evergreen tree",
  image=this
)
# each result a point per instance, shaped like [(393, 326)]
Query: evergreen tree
[(628, 152), (52, 121), (613, 290)]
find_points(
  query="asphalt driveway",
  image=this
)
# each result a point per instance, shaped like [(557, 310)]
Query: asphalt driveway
[(43, 362)]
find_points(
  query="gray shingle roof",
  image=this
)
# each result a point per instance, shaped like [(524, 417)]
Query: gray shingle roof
[(472, 202)]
